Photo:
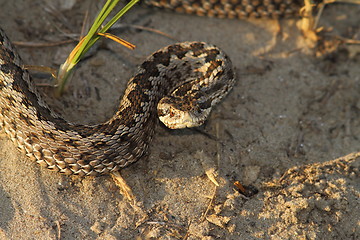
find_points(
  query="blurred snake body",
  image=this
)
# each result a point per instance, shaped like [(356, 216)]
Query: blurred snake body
[(179, 84)]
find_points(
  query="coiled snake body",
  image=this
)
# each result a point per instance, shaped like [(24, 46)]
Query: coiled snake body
[(187, 70), (194, 75)]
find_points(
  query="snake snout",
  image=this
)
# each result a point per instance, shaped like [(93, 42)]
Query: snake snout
[(177, 113)]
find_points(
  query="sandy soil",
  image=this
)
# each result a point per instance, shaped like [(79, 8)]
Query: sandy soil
[(289, 128)]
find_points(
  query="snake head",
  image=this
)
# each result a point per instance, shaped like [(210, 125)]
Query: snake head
[(181, 112)]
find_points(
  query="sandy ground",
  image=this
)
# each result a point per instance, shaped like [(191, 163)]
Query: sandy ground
[(289, 128)]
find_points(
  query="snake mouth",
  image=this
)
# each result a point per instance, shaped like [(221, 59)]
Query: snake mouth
[(174, 118)]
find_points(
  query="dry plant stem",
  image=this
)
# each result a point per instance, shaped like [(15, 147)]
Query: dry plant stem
[(121, 25), (307, 24), (349, 41), (207, 165), (43, 69), (341, 1), (38, 44), (209, 205), (58, 225), (125, 190), (118, 40), (84, 25), (307, 18), (318, 16)]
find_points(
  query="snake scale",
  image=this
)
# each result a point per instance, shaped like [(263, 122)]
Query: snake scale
[(178, 84)]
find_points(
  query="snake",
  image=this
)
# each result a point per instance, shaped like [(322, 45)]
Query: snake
[(178, 84)]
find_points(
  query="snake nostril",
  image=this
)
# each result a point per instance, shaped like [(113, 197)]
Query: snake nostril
[(172, 114)]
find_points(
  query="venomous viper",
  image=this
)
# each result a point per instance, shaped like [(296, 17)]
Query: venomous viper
[(182, 82)]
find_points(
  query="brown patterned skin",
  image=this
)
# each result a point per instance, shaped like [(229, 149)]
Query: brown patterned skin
[(94, 150)]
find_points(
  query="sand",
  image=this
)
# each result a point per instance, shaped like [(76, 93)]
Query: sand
[(289, 129)]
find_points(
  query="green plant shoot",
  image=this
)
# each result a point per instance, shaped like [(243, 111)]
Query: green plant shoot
[(96, 31)]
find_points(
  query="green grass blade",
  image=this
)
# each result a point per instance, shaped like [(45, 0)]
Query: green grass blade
[(89, 40)]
